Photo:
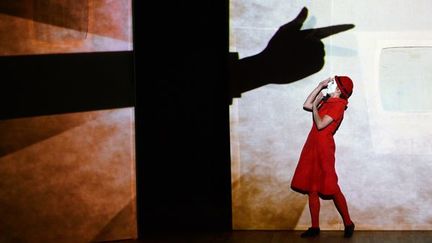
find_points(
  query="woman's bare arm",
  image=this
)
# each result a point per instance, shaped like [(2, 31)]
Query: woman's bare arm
[(311, 98), (320, 122)]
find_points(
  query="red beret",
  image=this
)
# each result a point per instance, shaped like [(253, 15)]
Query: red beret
[(345, 85)]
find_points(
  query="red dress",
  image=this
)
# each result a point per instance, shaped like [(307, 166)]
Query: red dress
[(315, 170)]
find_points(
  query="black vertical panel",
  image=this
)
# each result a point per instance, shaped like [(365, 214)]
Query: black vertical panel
[(183, 160)]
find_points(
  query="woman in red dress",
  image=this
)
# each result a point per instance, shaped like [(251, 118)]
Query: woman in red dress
[(315, 174)]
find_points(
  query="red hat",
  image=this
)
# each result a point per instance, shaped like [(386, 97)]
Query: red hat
[(345, 85)]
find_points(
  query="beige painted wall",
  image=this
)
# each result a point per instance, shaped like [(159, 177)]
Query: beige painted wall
[(383, 156)]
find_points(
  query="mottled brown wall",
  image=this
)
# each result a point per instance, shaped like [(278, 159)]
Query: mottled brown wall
[(65, 26), (71, 14), (68, 177)]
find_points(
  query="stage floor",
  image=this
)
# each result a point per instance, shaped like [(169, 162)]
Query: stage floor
[(251, 236)]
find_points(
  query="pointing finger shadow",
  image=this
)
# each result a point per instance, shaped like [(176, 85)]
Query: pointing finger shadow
[(290, 55)]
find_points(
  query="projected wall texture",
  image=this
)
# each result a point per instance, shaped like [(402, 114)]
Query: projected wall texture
[(54, 26), (384, 150), (67, 143), (68, 177)]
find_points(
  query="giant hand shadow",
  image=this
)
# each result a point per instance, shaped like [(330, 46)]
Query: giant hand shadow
[(290, 55)]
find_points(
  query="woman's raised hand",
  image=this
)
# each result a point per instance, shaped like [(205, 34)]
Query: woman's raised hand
[(324, 83)]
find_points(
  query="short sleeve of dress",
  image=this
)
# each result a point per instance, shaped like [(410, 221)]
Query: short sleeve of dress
[(336, 110)]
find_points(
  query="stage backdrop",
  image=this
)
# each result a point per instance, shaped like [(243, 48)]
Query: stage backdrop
[(64, 26), (67, 127), (384, 145), (68, 177)]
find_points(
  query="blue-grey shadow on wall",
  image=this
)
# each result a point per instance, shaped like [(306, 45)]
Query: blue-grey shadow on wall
[(290, 55)]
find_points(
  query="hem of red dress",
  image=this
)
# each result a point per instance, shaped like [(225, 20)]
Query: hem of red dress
[(320, 194)]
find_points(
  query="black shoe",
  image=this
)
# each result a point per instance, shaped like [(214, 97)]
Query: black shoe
[(349, 230), (311, 232)]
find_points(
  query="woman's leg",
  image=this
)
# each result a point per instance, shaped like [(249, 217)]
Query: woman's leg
[(341, 205), (314, 207)]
